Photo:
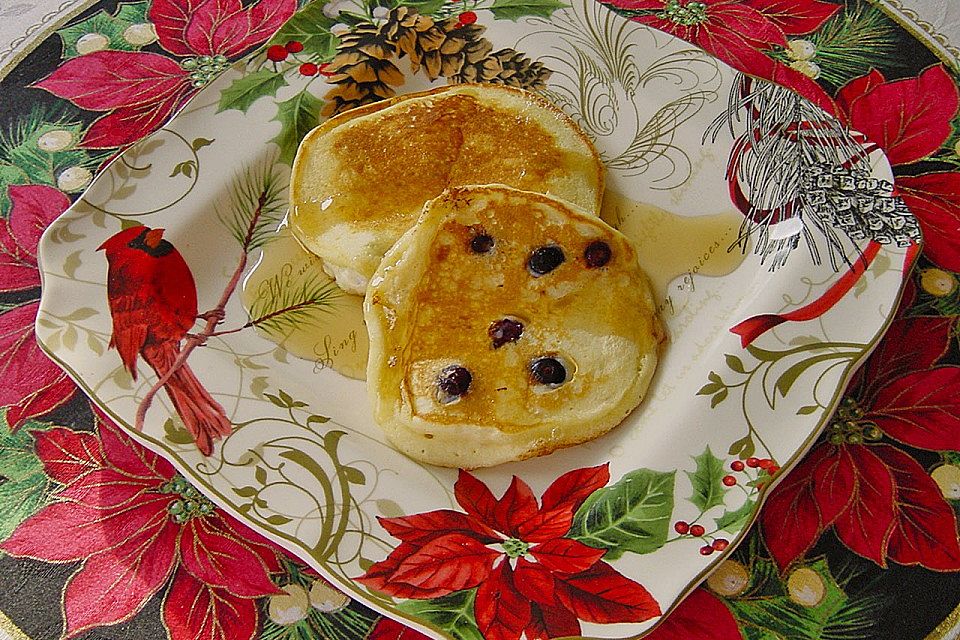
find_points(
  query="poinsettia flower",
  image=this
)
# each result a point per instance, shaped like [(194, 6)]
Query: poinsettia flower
[(740, 33), (910, 119), (137, 527), (33, 385), (140, 90), (881, 503), (529, 577)]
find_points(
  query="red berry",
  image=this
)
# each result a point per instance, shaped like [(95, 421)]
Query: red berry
[(772, 470), (309, 69), (681, 527), (697, 530), (766, 463), (324, 71), (737, 465), (459, 25), (467, 17), (729, 481), (277, 53), (720, 544), (294, 46), (753, 463), (706, 550)]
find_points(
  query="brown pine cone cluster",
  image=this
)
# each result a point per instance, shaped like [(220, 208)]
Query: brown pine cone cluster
[(364, 72)]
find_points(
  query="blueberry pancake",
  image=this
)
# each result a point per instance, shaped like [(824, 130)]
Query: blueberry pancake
[(504, 325), (360, 179)]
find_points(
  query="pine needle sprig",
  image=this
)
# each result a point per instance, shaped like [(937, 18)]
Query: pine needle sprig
[(293, 307), (257, 205), (856, 40)]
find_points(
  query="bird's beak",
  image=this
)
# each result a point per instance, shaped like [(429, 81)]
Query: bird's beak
[(153, 237)]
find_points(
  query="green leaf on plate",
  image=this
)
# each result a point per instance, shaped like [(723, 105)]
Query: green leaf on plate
[(200, 143), (516, 9), (718, 398), (807, 410), (734, 363), (245, 492), (176, 434), (277, 519), (311, 27), (734, 521), (708, 489), (297, 116), (631, 515), (452, 614), (250, 88), (23, 485)]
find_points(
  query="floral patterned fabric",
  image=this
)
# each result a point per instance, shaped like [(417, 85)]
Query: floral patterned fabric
[(860, 540)]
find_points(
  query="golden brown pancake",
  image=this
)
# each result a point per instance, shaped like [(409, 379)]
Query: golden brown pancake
[(541, 304), (360, 179)]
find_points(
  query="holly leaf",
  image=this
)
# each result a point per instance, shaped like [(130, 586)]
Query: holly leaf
[(113, 27), (708, 489), (23, 484), (734, 521), (516, 9), (451, 614), (631, 515), (248, 89), (311, 27), (297, 116)]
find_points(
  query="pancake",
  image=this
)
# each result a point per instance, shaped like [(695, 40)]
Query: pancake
[(360, 179), (504, 325)]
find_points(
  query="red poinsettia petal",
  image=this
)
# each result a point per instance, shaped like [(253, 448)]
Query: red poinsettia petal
[(105, 489), (195, 611), (105, 80), (867, 520), (517, 507), (502, 613), (790, 520), (449, 563), (910, 344), (475, 498), (128, 455), (908, 118), (127, 125), (572, 488), (925, 531), (113, 585), (264, 18), (69, 531), (551, 622), (921, 409), (380, 576), (33, 208), (835, 481), (565, 556), (604, 596), (700, 615), (215, 25), (546, 525), (795, 17), (267, 551), (216, 558), (33, 385), (67, 454), (535, 581), (726, 18), (856, 89), (934, 198), (421, 527)]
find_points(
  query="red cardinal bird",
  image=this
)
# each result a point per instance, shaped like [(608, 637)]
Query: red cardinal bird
[(153, 303)]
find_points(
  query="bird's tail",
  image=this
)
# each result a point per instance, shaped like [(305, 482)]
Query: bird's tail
[(203, 416)]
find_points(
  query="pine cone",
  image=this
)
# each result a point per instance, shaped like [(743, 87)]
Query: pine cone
[(413, 34), (462, 44), (519, 71), (362, 70)]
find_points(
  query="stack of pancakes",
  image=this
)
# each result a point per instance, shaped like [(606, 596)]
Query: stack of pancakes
[(505, 318)]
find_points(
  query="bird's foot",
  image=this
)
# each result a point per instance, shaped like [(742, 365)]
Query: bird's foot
[(215, 315)]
